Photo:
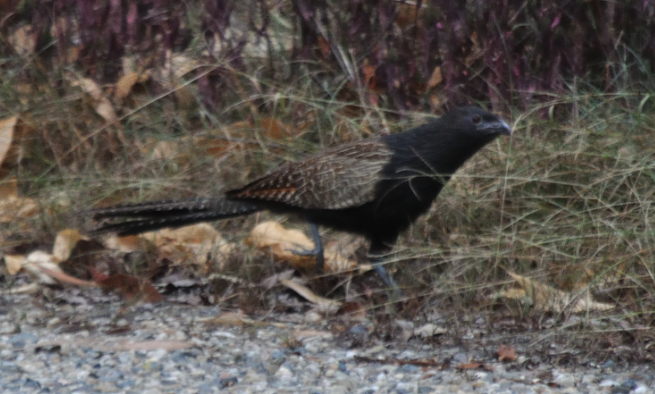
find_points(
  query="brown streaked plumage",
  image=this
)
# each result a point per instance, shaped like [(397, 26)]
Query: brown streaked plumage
[(375, 187), (337, 178)]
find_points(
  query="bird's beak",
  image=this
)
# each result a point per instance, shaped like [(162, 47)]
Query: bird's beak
[(504, 127), (497, 127)]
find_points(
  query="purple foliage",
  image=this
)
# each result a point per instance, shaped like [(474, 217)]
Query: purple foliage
[(504, 51)]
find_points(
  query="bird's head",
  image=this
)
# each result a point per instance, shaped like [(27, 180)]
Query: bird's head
[(479, 122)]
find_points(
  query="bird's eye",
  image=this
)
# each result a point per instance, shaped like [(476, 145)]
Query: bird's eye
[(476, 119)]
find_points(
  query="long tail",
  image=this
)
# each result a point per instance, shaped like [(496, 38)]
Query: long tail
[(156, 215)]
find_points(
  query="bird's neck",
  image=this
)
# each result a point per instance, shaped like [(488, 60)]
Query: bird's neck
[(440, 154)]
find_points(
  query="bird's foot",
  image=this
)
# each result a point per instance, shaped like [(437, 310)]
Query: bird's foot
[(318, 251), (389, 281)]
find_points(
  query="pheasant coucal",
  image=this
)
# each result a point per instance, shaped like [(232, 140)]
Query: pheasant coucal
[(375, 187)]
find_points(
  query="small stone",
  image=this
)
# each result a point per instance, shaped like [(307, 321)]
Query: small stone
[(313, 317), (54, 322), (480, 375), (563, 379), (640, 390), (460, 358), (608, 383), (587, 379)]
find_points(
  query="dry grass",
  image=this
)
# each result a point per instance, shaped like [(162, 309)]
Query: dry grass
[(567, 200)]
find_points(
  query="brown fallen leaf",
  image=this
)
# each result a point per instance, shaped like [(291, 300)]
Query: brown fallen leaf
[(338, 257), (199, 244), (546, 298), (474, 366), (395, 361), (301, 335), (23, 40), (44, 267), (126, 82), (323, 304), (276, 129), (145, 345), (17, 207), (239, 319), (8, 188), (102, 105), (130, 287), (231, 319), (28, 288), (64, 243), (282, 242), (353, 309), (63, 277), (436, 78), (14, 263), (6, 135), (128, 244), (506, 354), (41, 265)]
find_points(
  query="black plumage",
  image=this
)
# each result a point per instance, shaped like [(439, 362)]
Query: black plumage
[(376, 187)]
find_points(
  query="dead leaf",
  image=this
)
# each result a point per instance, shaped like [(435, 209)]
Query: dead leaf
[(239, 319), (429, 330), (14, 263), (506, 353), (338, 257), (353, 309), (436, 78), (102, 105), (64, 278), (181, 65), (275, 129), (145, 345), (23, 40), (324, 47), (408, 14), (324, 304), (131, 287), (125, 84), (369, 77), (64, 244), (273, 280), (6, 135), (183, 151), (546, 298), (128, 244), (198, 243), (282, 242), (302, 335), (35, 261), (8, 188), (17, 207), (474, 366), (419, 363), (28, 288), (231, 319), (475, 52), (106, 110)]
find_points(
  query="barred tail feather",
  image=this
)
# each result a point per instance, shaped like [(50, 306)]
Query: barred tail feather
[(162, 214)]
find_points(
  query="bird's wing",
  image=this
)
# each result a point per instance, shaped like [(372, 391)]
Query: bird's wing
[(342, 177)]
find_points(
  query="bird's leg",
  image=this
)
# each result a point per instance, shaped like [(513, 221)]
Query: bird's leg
[(376, 255), (386, 278), (318, 248)]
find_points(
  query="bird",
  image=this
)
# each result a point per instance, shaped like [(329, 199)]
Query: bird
[(376, 187)]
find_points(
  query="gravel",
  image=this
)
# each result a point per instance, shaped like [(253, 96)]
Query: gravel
[(89, 347)]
